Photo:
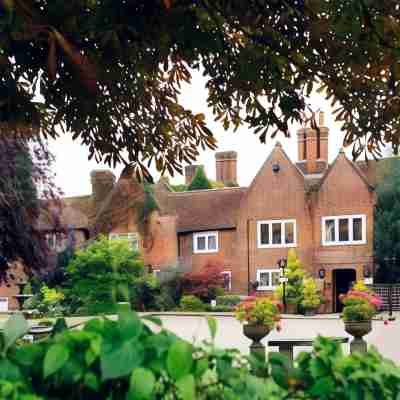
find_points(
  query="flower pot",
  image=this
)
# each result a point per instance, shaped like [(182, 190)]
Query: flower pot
[(309, 312), (291, 308), (358, 329), (256, 333)]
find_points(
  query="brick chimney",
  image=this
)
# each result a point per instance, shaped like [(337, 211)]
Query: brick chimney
[(312, 145), (102, 183), (226, 166), (190, 172)]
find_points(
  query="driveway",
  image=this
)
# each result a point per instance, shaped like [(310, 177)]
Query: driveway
[(229, 334)]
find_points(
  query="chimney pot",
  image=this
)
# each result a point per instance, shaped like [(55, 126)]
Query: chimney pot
[(190, 172)]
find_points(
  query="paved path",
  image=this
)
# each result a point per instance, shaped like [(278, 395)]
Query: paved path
[(229, 335)]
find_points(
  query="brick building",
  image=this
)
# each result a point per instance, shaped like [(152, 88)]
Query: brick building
[(324, 212)]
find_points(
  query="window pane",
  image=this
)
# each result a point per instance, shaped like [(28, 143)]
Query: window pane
[(289, 232), (264, 279), (212, 243), (357, 229), (344, 230), (201, 243), (264, 234), (275, 278), (329, 230), (276, 233), (134, 244)]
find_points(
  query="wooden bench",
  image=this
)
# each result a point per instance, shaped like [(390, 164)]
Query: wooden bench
[(286, 346)]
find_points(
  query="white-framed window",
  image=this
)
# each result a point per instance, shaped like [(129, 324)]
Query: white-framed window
[(268, 279), (276, 233), (205, 242), (131, 237), (227, 285), (341, 230), (54, 240), (156, 273)]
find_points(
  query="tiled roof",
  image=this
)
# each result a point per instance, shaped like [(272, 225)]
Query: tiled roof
[(202, 210)]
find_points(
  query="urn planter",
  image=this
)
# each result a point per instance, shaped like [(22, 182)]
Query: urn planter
[(256, 332), (358, 329)]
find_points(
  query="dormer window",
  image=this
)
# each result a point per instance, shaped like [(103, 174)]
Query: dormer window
[(276, 233), (205, 242)]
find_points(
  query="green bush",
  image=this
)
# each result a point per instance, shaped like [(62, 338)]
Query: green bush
[(191, 303), (102, 273), (124, 359), (200, 180), (229, 300)]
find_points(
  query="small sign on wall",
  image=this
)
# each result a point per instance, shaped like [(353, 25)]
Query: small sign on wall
[(3, 304), (369, 281), (283, 280)]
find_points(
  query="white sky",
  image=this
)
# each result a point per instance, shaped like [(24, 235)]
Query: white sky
[(72, 166)]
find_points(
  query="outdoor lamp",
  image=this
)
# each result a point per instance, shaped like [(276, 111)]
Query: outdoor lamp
[(321, 273), (366, 271)]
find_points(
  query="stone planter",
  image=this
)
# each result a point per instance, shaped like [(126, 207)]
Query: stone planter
[(358, 329), (256, 333)]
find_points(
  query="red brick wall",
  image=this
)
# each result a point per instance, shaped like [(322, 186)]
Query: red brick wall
[(272, 195), (10, 289), (224, 256)]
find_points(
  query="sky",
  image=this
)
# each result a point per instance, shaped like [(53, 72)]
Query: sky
[(72, 167)]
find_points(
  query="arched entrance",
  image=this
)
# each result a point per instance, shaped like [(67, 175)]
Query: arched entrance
[(342, 281)]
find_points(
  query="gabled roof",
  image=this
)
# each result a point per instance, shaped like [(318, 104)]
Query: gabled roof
[(352, 164), (202, 210)]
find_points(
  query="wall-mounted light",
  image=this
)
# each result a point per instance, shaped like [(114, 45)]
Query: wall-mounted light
[(322, 273), (275, 168)]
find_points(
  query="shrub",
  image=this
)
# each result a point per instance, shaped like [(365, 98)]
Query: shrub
[(102, 273), (124, 359), (191, 303), (204, 283), (229, 300), (311, 296), (259, 310)]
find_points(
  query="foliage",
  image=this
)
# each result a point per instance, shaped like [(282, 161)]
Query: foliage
[(360, 286), (359, 306), (124, 359), (295, 273), (103, 272), (231, 184), (191, 303), (179, 188), (206, 283), (386, 221), (311, 295), (111, 72), (143, 292), (24, 166), (200, 180), (144, 211), (259, 310), (228, 300)]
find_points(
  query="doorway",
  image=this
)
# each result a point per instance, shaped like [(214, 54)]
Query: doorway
[(342, 281)]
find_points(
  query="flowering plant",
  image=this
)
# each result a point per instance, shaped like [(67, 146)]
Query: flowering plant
[(259, 311), (360, 305)]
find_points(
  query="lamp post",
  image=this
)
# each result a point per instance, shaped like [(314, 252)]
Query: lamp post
[(282, 263), (392, 262)]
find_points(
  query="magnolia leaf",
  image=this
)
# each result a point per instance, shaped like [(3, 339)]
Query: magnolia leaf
[(15, 327), (55, 359)]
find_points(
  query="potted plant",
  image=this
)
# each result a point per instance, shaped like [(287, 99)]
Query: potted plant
[(311, 297), (259, 315), (359, 308)]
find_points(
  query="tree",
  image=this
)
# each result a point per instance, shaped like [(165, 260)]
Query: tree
[(24, 166), (111, 71), (387, 222), (101, 274), (295, 274), (199, 181)]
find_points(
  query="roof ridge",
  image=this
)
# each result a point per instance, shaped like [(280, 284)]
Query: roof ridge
[(207, 190)]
